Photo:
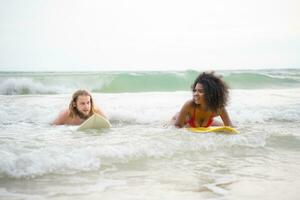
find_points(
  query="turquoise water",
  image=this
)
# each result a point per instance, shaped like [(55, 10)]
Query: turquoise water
[(142, 156), (114, 82)]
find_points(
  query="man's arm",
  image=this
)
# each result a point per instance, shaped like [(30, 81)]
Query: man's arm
[(100, 112), (61, 118)]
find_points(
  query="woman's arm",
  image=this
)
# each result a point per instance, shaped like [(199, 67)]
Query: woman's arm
[(181, 118), (225, 118)]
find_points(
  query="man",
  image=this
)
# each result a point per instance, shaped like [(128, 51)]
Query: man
[(80, 108)]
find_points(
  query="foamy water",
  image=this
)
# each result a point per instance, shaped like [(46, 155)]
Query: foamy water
[(142, 157)]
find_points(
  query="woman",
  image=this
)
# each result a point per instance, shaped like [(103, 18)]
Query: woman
[(210, 95)]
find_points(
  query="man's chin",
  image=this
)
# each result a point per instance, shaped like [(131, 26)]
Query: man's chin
[(83, 115)]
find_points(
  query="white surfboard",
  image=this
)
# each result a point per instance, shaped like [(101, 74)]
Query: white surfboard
[(96, 121)]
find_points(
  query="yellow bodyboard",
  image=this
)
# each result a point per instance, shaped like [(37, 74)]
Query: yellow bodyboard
[(226, 129)]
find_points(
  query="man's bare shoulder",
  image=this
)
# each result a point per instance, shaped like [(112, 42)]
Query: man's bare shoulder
[(99, 111), (64, 113), (62, 117)]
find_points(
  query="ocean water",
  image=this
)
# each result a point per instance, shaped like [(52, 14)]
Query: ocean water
[(142, 156)]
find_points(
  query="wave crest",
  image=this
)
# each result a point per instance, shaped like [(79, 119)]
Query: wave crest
[(116, 82), (13, 86)]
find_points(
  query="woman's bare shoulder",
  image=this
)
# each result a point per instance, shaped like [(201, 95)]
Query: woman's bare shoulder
[(189, 104)]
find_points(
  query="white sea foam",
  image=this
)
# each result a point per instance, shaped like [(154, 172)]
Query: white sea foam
[(13, 86), (140, 152)]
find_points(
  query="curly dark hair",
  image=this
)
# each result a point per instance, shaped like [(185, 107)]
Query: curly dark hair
[(215, 90)]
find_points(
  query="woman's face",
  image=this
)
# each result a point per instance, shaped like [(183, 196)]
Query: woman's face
[(198, 94)]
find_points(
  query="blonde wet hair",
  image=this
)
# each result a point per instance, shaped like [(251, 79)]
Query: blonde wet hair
[(72, 106)]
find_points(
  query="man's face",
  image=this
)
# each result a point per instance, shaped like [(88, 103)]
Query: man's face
[(83, 105)]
